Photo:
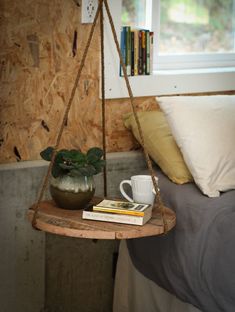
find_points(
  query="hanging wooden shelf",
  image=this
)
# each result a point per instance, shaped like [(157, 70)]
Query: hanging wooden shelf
[(45, 216), (59, 221)]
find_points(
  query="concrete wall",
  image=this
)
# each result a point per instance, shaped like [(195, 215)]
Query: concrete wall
[(45, 272), (22, 249)]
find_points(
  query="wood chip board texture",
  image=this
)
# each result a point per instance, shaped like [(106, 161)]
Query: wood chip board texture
[(41, 47)]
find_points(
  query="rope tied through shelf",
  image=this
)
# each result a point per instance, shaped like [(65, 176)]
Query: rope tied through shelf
[(99, 13)]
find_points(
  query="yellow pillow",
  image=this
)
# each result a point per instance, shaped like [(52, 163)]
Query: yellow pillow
[(160, 144)]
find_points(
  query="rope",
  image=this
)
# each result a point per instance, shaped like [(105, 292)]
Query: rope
[(149, 164), (65, 117), (103, 95), (46, 178)]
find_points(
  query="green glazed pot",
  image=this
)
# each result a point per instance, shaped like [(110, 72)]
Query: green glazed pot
[(72, 192)]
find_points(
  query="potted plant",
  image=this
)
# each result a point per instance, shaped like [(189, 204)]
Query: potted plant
[(72, 184)]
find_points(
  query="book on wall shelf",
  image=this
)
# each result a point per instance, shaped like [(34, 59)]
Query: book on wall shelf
[(137, 51)]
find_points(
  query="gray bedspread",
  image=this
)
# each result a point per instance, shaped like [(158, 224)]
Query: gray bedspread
[(196, 260)]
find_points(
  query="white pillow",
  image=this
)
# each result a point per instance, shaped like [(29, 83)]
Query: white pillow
[(204, 129)]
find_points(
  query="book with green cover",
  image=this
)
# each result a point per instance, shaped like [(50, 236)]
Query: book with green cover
[(123, 49), (128, 49), (151, 36)]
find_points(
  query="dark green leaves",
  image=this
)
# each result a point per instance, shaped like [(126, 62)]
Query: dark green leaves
[(99, 165), (88, 171), (94, 154), (74, 162), (47, 153), (75, 156)]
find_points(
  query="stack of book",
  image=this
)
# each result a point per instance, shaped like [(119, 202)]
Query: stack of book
[(137, 51), (119, 211)]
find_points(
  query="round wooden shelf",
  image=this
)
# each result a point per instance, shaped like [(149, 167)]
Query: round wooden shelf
[(59, 221)]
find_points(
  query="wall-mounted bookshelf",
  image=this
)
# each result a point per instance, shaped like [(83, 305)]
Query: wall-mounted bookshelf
[(137, 51)]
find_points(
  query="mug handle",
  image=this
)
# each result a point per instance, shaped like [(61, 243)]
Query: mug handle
[(154, 192), (123, 192)]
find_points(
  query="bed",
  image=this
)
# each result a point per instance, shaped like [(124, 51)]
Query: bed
[(195, 261), (192, 268)]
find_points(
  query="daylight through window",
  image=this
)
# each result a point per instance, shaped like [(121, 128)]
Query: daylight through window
[(188, 33)]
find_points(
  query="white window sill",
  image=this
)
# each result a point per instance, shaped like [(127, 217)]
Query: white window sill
[(169, 82), (195, 71), (164, 82)]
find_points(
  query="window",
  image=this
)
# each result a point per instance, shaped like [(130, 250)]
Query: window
[(196, 26), (137, 13), (194, 46), (188, 33)]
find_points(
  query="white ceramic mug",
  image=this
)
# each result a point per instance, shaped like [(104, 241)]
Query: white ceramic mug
[(142, 189)]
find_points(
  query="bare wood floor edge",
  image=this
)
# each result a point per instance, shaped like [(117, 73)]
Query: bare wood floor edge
[(59, 221)]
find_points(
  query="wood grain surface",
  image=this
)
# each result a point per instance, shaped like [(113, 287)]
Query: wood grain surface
[(70, 223)]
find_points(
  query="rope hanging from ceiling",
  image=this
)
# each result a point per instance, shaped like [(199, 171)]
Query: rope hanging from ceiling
[(158, 204)]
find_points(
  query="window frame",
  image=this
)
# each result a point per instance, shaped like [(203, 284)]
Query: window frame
[(184, 61), (161, 82)]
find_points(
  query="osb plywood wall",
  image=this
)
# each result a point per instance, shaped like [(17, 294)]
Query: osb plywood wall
[(39, 60)]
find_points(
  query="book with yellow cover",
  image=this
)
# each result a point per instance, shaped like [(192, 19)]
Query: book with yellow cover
[(122, 207)]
